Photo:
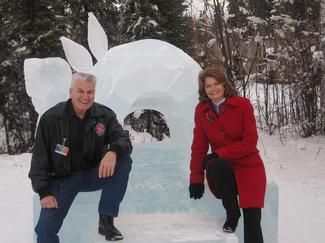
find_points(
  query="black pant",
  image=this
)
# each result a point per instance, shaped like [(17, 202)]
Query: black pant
[(252, 225), (222, 175)]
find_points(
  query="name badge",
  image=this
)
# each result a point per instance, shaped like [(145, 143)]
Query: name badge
[(61, 149)]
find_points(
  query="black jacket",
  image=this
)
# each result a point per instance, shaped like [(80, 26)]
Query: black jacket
[(102, 133)]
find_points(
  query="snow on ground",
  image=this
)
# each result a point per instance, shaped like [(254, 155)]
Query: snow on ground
[(139, 137), (297, 166), (16, 205), (179, 227)]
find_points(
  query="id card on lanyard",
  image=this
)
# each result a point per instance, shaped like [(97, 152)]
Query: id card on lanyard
[(61, 148)]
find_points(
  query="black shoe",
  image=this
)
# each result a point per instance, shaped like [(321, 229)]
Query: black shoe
[(230, 226), (106, 227)]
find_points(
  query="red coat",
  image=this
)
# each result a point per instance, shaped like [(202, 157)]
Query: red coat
[(233, 136)]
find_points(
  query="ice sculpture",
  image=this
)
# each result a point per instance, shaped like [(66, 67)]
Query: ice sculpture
[(47, 81), (145, 74), (157, 208)]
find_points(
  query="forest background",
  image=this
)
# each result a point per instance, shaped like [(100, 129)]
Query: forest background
[(276, 46)]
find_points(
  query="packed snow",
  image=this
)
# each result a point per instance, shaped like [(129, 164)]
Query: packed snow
[(297, 166)]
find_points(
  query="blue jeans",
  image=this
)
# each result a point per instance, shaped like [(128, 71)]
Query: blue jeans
[(113, 190)]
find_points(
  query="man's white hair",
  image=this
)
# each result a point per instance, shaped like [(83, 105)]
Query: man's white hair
[(83, 77)]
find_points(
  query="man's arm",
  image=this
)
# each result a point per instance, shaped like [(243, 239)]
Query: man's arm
[(118, 139), (119, 145), (40, 160)]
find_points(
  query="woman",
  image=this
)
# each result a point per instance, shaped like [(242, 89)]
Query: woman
[(226, 123)]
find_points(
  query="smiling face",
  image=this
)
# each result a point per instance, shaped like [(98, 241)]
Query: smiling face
[(82, 94), (214, 90)]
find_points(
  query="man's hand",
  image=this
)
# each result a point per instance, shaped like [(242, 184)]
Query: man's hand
[(107, 165), (196, 190), (49, 202)]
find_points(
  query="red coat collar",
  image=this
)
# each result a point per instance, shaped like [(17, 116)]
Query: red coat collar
[(230, 101)]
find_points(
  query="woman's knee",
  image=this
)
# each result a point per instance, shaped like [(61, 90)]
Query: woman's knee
[(217, 167)]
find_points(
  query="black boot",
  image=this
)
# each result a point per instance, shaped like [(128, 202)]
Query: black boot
[(232, 220), (222, 175), (106, 227), (230, 226)]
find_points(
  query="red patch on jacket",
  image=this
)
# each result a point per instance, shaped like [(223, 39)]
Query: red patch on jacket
[(209, 117), (100, 129)]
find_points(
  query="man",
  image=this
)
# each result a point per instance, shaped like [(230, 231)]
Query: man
[(79, 147)]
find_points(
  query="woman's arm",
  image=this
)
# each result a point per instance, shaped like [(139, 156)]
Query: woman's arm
[(200, 147)]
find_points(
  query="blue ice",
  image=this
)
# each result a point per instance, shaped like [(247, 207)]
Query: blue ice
[(157, 208)]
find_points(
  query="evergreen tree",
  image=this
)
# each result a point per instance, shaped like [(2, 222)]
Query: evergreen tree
[(174, 22), (322, 86), (30, 29), (261, 8), (157, 19), (139, 20), (238, 12), (76, 19)]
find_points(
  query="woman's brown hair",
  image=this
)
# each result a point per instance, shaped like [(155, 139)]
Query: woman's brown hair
[(218, 75)]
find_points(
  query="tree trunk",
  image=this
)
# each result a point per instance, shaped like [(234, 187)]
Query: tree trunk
[(322, 88)]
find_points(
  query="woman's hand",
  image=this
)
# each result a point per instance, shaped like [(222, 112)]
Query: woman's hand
[(196, 190)]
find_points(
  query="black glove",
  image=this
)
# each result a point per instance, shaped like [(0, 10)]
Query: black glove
[(207, 158), (196, 190)]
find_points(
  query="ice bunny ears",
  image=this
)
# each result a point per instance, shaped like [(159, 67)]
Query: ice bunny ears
[(48, 79), (78, 57)]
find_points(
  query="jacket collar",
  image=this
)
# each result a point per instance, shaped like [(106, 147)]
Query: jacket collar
[(230, 101), (62, 110)]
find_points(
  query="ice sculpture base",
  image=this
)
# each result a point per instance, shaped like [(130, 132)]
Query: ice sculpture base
[(157, 207), (80, 225)]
